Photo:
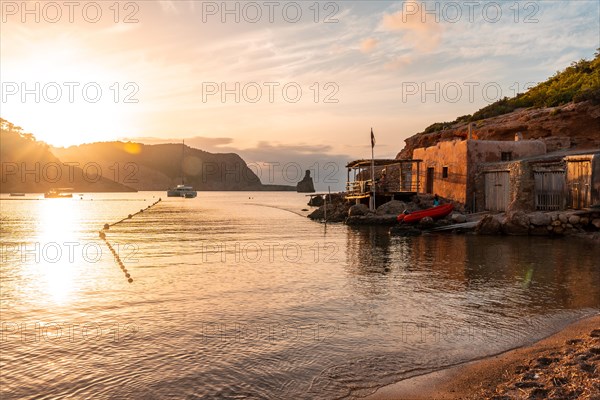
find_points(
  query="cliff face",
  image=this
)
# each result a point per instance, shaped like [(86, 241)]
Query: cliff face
[(573, 125), (158, 167)]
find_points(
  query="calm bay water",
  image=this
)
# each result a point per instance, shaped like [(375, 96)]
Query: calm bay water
[(238, 295)]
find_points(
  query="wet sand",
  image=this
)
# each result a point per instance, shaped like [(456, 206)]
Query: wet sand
[(565, 365)]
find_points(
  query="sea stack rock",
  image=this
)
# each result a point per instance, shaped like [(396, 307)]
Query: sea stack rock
[(306, 185)]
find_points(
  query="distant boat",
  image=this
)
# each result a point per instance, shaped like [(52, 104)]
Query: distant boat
[(182, 190), (433, 212), (17, 194), (58, 194)]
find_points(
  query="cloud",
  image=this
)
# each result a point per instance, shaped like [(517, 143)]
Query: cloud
[(399, 62), (423, 35), (368, 45)]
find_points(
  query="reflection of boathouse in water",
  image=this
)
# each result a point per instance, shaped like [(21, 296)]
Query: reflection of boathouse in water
[(471, 265)]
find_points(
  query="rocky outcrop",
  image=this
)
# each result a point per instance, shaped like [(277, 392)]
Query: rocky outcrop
[(573, 125), (316, 201), (306, 185), (334, 209)]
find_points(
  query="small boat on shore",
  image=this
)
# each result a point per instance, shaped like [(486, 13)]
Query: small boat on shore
[(434, 212), (17, 194)]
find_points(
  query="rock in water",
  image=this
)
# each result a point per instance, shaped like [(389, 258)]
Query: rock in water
[(358, 209), (517, 224), (306, 185), (316, 201), (489, 225)]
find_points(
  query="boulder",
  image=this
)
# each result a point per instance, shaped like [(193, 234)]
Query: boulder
[(489, 225), (393, 207), (584, 221), (316, 201), (596, 223), (517, 224), (358, 209), (426, 222), (306, 185), (540, 219), (564, 218), (574, 219), (458, 218)]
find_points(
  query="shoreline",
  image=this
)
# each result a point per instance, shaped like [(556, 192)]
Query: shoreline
[(478, 379)]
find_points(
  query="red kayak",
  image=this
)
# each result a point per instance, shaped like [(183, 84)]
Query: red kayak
[(434, 212)]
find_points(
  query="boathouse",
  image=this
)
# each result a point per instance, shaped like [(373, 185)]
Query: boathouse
[(450, 168), (394, 180), (549, 182)]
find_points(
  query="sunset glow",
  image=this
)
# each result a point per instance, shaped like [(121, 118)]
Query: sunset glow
[(182, 63)]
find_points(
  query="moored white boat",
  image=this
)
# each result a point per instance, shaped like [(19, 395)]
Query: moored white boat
[(182, 191)]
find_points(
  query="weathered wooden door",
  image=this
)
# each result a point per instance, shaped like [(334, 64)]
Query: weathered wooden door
[(497, 190), (550, 190), (579, 176), (429, 180)]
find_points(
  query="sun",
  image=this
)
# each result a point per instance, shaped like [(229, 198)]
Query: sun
[(64, 97)]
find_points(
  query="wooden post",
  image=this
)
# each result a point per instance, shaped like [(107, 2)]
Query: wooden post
[(418, 175), (325, 209)]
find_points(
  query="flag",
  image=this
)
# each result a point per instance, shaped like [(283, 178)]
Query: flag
[(372, 139)]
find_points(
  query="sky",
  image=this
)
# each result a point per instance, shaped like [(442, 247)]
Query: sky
[(287, 83)]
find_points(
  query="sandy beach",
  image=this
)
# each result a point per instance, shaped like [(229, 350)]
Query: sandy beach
[(565, 365)]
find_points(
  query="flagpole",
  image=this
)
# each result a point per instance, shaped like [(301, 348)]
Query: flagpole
[(372, 170)]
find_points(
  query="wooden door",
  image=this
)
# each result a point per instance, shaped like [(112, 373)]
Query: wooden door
[(497, 190), (429, 180), (579, 176), (550, 190)]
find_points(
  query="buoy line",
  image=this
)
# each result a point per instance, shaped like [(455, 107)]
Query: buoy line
[(106, 227)]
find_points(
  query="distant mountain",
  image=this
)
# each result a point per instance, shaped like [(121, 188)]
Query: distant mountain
[(564, 111), (29, 166), (160, 166)]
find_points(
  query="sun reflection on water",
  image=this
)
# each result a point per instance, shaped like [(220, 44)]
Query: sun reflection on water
[(58, 245)]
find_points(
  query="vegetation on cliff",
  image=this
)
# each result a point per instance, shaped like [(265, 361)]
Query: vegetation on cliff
[(578, 82)]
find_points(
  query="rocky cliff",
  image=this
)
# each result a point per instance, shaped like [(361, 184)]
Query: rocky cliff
[(158, 167), (573, 125)]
